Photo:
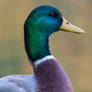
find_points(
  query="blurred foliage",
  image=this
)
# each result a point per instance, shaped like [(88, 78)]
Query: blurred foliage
[(73, 50)]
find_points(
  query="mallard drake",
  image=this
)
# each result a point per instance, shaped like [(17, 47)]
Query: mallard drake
[(49, 76)]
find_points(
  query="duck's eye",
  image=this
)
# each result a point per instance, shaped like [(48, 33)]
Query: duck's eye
[(53, 14)]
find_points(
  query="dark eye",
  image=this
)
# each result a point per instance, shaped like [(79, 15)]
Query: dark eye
[(53, 14)]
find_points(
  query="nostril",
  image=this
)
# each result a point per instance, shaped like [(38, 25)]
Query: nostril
[(67, 23)]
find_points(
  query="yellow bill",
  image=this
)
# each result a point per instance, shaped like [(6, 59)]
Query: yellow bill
[(68, 27)]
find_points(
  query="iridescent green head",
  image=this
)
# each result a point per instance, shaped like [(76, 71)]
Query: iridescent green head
[(40, 24), (44, 19)]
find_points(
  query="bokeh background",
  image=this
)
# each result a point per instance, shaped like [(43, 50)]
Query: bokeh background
[(72, 50)]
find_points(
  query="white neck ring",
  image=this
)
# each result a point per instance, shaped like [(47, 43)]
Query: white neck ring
[(39, 61)]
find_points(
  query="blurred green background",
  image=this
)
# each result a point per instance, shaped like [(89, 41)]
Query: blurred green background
[(72, 50)]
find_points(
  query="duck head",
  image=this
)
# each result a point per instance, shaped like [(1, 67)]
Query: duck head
[(49, 20), (40, 24)]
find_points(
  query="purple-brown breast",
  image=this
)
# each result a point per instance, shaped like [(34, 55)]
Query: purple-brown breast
[(51, 77)]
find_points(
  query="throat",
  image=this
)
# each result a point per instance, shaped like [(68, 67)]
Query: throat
[(37, 46)]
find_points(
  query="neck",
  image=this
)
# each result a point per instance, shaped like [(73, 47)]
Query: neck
[(36, 45)]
